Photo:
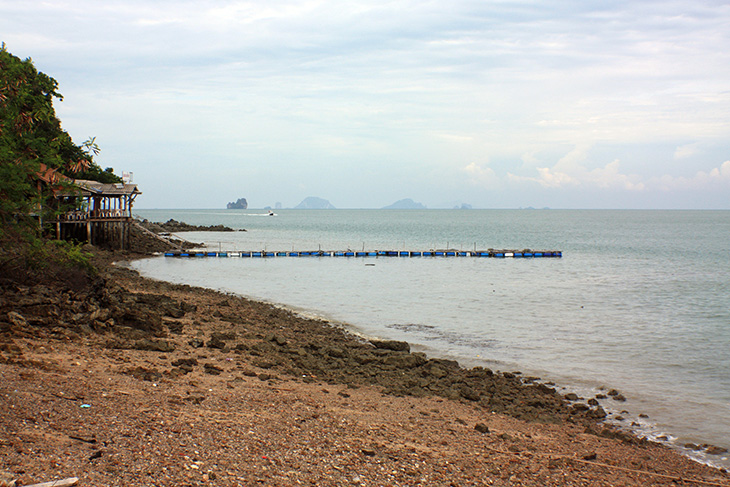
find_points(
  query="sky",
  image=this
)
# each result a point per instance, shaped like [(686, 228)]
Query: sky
[(491, 103)]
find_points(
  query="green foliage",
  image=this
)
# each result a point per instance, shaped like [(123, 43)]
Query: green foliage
[(31, 136), (71, 255), (28, 259)]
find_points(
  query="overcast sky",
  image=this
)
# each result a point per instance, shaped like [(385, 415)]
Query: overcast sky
[(498, 104)]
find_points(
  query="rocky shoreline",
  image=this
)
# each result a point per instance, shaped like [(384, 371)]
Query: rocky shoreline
[(171, 226), (123, 380)]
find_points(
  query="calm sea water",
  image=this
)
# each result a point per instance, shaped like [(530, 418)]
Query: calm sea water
[(639, 302)]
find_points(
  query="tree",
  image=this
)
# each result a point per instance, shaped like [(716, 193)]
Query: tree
[(31, 138)]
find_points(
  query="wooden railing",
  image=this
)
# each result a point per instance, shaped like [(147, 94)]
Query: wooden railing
[(78, 216)]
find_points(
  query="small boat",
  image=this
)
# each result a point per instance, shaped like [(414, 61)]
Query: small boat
[(271, 213)]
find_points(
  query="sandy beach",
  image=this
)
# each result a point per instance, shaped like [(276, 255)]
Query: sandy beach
[(127, 381)]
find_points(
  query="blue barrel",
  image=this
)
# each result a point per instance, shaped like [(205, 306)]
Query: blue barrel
[(450, 254), (170, 254), (349, 254), (416, 254), (404, 254), (222, 254)]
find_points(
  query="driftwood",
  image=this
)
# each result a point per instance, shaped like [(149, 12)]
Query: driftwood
[(58, 483)]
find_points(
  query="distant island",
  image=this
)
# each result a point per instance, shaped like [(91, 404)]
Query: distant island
[(405, 204), (240, 204), (314, 203)]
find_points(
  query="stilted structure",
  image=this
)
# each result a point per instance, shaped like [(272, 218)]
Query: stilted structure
[(104, 216), (100, 213)]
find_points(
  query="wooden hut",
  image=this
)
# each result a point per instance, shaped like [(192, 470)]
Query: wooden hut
[(90, 211), (102, 215)]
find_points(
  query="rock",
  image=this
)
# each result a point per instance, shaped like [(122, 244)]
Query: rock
[(139, 319), (143, 373), (174, 312), (279, 340), (216, 343), (368, 452), (613, 392), (154, 345), (593, 402), (7, 479), (436, 371), (714, 450), (482, 428), (184, 361), (571, 396), (469, 394), (619, 397), (597, 413), (394, 345), (590, 456), (17, 319), (212, 369), (196, 343), (174, 326)]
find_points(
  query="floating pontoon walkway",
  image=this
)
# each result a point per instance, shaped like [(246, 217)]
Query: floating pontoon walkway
[(373, 253)]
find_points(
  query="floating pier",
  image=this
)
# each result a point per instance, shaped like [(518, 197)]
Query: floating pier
[(527, 253)]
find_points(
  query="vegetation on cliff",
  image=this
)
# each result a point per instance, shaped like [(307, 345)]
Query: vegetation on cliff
[(35, 154)]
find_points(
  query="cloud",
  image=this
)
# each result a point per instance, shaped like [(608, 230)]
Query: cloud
[(481, 176), (571, 172), (701, 181), (685, 151)]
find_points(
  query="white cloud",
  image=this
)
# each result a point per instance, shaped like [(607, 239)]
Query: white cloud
[(701, 181), (479, 175), (571, 172), (685, 151)]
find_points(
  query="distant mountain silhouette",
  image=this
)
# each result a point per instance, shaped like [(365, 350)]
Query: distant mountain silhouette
[(239, 204), (314, 203), (405, 204)]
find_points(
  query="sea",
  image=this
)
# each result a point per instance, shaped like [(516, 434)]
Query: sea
[(639, 301)]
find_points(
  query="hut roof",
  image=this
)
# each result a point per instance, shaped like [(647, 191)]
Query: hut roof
[(106, 189)]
